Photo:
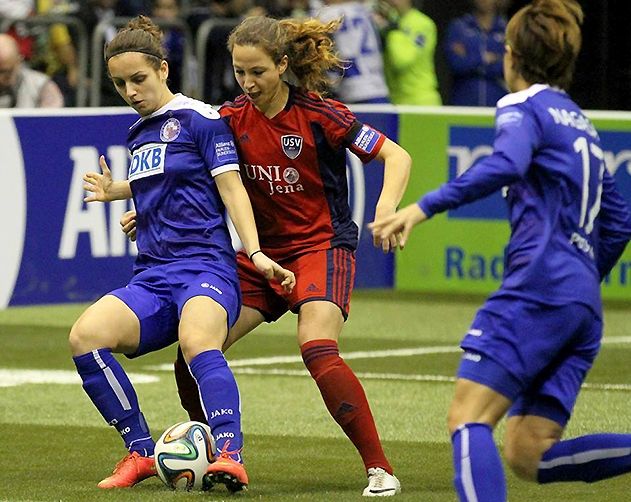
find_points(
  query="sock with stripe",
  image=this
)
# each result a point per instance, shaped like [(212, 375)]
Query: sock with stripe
[(345, 399), (220, 399), (586, 458), (107, 385), (479, 475)]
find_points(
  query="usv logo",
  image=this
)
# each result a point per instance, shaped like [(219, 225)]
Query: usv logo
[(292, 145), (148, 160)]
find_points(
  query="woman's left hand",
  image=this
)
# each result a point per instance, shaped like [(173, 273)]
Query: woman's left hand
[(272, 270)]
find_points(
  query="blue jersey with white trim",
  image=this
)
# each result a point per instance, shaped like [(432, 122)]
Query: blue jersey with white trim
[(569, 224), (175, 153)]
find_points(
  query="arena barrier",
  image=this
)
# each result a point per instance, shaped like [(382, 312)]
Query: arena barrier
[(461, 251), (56, 249)]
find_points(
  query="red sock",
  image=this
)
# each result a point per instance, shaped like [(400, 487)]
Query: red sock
[(345, 399), (187, 389)]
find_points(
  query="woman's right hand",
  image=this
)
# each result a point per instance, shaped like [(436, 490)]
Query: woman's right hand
[(128, 224), (98, 184)]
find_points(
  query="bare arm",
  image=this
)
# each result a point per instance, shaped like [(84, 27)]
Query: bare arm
[(239, 208), (397, 165)]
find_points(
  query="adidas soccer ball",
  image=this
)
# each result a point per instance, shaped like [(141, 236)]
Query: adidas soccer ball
[(183, 454)]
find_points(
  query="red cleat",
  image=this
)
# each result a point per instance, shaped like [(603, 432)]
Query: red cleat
[(130, 470), (227, 471)]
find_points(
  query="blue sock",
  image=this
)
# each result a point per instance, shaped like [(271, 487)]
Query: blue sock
[(478, 468), (220, 398), (107, 385), (586, 458)]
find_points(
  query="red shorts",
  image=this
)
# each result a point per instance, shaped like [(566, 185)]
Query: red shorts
[(320, 275)]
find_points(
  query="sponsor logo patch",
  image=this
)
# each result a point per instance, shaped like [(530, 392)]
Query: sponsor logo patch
[(292, 145), (225, 151), (470, 356), (366, 139), (148, 160), (291, 175), (207, 285), (170, 130), (509, 118)]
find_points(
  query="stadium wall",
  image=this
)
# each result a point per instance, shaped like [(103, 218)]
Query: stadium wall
[(57, 249)]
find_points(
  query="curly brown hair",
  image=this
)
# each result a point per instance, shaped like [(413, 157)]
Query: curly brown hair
[(307, 44), (140, 34), (545, 38)]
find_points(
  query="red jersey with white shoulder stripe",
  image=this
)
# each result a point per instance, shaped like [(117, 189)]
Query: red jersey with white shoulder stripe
[(293, 167)]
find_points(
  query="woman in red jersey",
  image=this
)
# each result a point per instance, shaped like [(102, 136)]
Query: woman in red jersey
[(292, 146)]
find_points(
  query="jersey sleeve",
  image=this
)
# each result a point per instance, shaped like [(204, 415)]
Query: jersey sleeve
[(517, 136), (215, 142), (614, 226), (342, 129)]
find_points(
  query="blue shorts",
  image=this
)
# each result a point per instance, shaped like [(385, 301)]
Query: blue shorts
[(156, 295), (536, 355)]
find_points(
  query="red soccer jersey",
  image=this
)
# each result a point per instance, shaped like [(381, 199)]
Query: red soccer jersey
[(293, 167)]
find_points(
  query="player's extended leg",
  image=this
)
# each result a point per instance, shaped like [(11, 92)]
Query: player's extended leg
[(188, 391), (203, 329), (105, 327), (474, 412), (319, 326), (535, 452), (533, 445)]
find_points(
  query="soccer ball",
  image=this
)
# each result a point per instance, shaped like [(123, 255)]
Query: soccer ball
[(183, 454)]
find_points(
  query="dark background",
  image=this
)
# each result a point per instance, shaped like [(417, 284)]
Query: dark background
[(603, 73)]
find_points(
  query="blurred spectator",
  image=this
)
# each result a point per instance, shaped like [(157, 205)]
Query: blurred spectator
[(358, 43), (20, 86), (409, 38), (174, 41), (92, 13), (19, 9), (475, 49), (132, 8), (56, 54), (219, 82), (16, 9)]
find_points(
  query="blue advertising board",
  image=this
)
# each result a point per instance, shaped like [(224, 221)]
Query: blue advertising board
[(59, 249)]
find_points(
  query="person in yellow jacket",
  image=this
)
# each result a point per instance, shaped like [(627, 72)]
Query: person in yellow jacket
[(409, 38)]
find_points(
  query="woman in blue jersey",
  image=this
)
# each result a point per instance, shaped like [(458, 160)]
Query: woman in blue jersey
[(474, 47), (532, 343), (183, 175)]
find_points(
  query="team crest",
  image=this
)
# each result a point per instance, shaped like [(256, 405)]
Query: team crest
[(170, 130), (292, 145)]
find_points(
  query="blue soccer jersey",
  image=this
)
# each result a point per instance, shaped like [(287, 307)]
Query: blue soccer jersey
[(569, 224), (175, 153)]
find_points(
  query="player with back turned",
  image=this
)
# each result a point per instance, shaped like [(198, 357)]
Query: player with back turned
[(532, 343)]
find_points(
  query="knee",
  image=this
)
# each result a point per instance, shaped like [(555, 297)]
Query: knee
[(452, 422), (79, 337), (85, 335), (456, 417), (522, 454)]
